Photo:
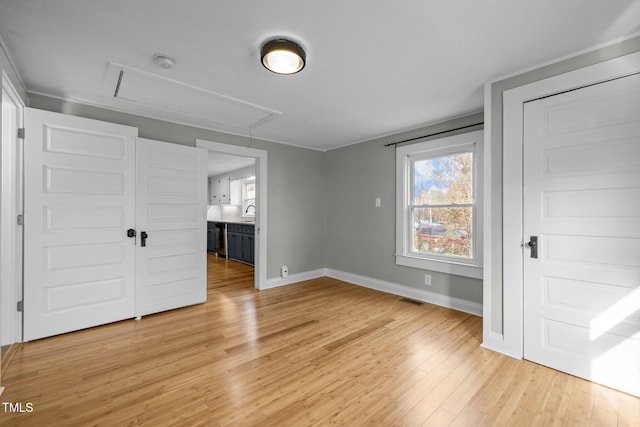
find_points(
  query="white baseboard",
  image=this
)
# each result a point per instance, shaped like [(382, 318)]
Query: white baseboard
[(492, 341), (294, 278), (380, 285), (408, 292)]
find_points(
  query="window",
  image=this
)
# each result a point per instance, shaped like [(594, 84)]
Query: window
[(249, 196), (439, 205)]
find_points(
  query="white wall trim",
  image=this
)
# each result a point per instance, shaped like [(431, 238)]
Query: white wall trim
[(11, 196), (564, 57), (276, 282), (13, 76), (513, 101), (382, 286), (105, 106), (490, 339), (260, 278), (408, 292), (416, 128)]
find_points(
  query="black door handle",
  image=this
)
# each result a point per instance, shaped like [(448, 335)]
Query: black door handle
[(533, 245), (131, 232), (143, 238)]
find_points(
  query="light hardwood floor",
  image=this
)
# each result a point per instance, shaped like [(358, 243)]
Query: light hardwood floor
[(321, 352)]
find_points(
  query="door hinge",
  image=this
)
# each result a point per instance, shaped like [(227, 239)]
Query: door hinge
[(19, 306), (20, 219), (21, 133)]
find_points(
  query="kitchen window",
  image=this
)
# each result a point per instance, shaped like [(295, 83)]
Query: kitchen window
[(439, 205), (249, 196)]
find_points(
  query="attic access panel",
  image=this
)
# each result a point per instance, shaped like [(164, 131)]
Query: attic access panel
[(153, 95)]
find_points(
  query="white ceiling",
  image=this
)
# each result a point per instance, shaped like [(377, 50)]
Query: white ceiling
[(219, 163), (374, 67)]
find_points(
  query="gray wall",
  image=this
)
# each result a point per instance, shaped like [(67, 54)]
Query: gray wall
[(497, 89), (360, 236), (321, 205), (296, 192)]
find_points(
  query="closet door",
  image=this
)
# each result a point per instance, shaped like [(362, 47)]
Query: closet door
[(79, 181), (582, 202), (171, 207)]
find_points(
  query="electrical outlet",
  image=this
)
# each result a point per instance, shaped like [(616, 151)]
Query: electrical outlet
[(427, 279), (284, 271), (378, 202)]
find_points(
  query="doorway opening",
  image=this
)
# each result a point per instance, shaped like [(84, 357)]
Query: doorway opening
[(237, 211)]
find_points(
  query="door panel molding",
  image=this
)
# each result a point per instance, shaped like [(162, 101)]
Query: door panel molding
[(79, 271), (564, 328), (171, 206), (511, 342)]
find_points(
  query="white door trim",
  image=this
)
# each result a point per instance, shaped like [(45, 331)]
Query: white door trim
[(260, 272), (11, 195), (512, 187)]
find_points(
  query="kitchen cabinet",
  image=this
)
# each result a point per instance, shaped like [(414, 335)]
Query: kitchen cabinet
[(220, 188), (236, 192), (211, 237), (241, 242)]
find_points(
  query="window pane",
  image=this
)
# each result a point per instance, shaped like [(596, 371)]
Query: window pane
[(251, 190), (443, 180), (443, 231)]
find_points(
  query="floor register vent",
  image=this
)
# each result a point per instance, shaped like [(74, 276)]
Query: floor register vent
[(411, 301)]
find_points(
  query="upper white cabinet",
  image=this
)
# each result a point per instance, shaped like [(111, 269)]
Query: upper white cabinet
[(236, 192), (220, 190)]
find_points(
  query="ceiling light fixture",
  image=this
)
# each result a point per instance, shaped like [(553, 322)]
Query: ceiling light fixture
[(283, 56), (164, 61)]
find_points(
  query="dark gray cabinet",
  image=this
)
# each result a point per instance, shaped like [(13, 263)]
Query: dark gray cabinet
[(240, 242), (211, 237), (234, 243)]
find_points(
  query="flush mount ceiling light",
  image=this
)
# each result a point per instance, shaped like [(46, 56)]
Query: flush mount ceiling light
[(164, 61), (283, 56)]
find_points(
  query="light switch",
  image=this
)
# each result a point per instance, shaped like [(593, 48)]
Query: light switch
[(378, 202)]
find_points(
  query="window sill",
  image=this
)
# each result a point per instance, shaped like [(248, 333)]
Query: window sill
[(448, 267)]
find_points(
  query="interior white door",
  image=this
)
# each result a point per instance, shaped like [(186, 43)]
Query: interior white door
[(171, 202), (582, 201), (79, 183)]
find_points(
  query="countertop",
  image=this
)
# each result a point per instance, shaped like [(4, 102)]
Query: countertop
[(234, 222)]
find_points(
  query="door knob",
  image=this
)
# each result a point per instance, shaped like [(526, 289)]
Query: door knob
[(131, 232), (143, 238)]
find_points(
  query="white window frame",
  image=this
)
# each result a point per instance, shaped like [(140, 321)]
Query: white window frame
[(245, 197), (466, 142)]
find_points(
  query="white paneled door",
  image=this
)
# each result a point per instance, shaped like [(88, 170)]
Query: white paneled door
[(91, 190), (582, 202), (171, 210), (79, 183)]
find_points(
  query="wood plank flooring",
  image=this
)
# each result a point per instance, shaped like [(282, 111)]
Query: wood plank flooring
[(322, 352)]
